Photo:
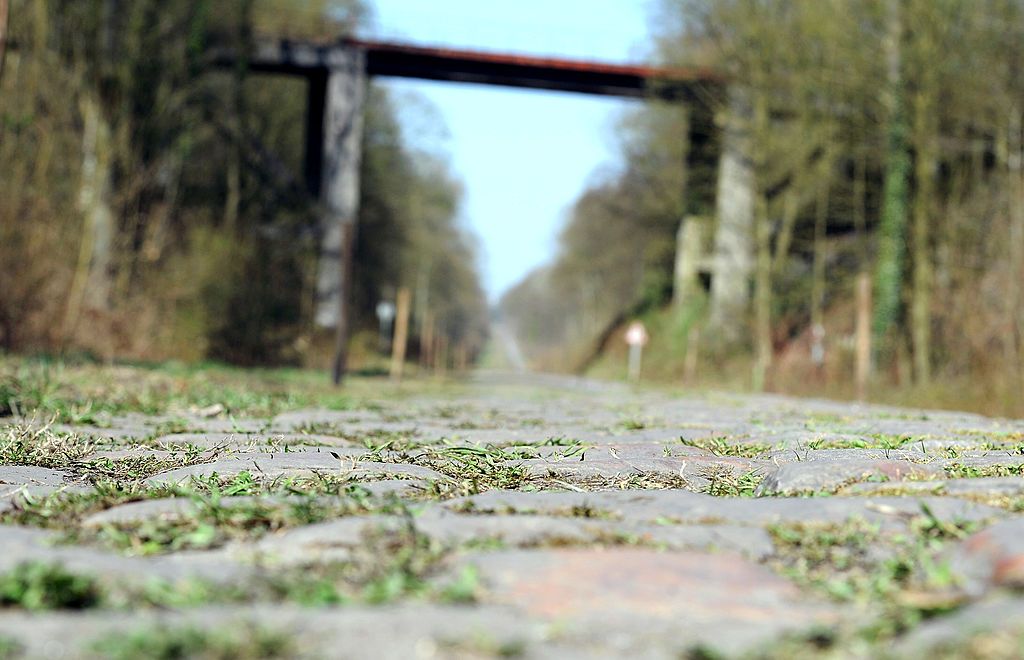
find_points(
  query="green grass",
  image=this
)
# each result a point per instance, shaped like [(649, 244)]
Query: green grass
[(37, 444), (983, 645), (39, 586), (470, 469), (388, 565), (904, 576), (83, 393), (475, 469), (722, 446), (482, 645), (873, 441), (961, 471), (9, 648), (724, 481), (290, 502), (173, 643)]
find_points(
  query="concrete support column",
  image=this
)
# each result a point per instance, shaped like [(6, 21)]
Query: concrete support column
[(343, 93), (733, 262), (689, 256)]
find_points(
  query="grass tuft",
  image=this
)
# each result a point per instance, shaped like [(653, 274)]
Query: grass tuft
[(29, 443), (721, 446), (39, 586), (167, 643)]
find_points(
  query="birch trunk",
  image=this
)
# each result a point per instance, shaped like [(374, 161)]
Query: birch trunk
[(763, 274), (91, 285), (924, 177), (1014, 299), (892, 228)]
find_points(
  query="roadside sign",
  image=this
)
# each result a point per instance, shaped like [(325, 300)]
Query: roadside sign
[(636, 334), (636, 337), (386, 311)]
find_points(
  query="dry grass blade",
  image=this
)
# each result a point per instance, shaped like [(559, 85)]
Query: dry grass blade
[(30, 443)]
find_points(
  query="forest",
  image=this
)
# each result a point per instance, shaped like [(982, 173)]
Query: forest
[(880, 147), (152, 203), (861, 233)]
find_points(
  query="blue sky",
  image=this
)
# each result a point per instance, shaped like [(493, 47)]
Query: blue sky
[(524, 156)]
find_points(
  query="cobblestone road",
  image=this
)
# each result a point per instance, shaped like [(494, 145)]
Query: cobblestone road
[(533, 517)]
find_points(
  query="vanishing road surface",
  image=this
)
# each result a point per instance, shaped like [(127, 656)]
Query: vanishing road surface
[(516, 516)]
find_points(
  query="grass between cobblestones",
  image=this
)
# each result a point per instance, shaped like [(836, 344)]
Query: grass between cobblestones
[(88, 393), (165, 642), (897, 580), (9, 648), (386, 567), (211, 522)]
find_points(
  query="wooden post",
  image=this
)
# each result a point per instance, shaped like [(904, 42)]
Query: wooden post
[(441, 354), (863, 334), (343, 93), (403, 303)]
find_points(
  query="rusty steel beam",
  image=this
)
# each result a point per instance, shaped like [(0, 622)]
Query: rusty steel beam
[(467, 66)]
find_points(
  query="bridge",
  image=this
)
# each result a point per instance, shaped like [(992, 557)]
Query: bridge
[(391, 59), (337, 74)]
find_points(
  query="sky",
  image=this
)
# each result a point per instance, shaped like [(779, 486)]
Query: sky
[(524, 156)]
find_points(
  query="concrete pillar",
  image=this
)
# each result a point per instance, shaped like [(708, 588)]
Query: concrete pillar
[(733, 261), (339, 177), (342, 91), (689, 255), (703, 154)]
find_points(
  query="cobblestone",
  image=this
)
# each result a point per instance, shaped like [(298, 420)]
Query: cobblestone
[(533, 516)]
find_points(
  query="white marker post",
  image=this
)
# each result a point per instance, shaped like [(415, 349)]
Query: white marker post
[(636, 337), (385, 314)]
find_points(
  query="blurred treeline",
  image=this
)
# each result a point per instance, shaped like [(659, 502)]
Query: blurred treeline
[(153, 205), (883, 139)]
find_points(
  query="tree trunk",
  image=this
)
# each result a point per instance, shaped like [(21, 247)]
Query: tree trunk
[(95, 200), (404, 300), (924, 178), (863, 320), (860, 210), (893, 225), (1014, 299), (91, 283), (790, 212), (763, 274), (818, 269)]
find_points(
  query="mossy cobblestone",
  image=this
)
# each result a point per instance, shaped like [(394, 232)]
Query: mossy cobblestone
[(503, 516)]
